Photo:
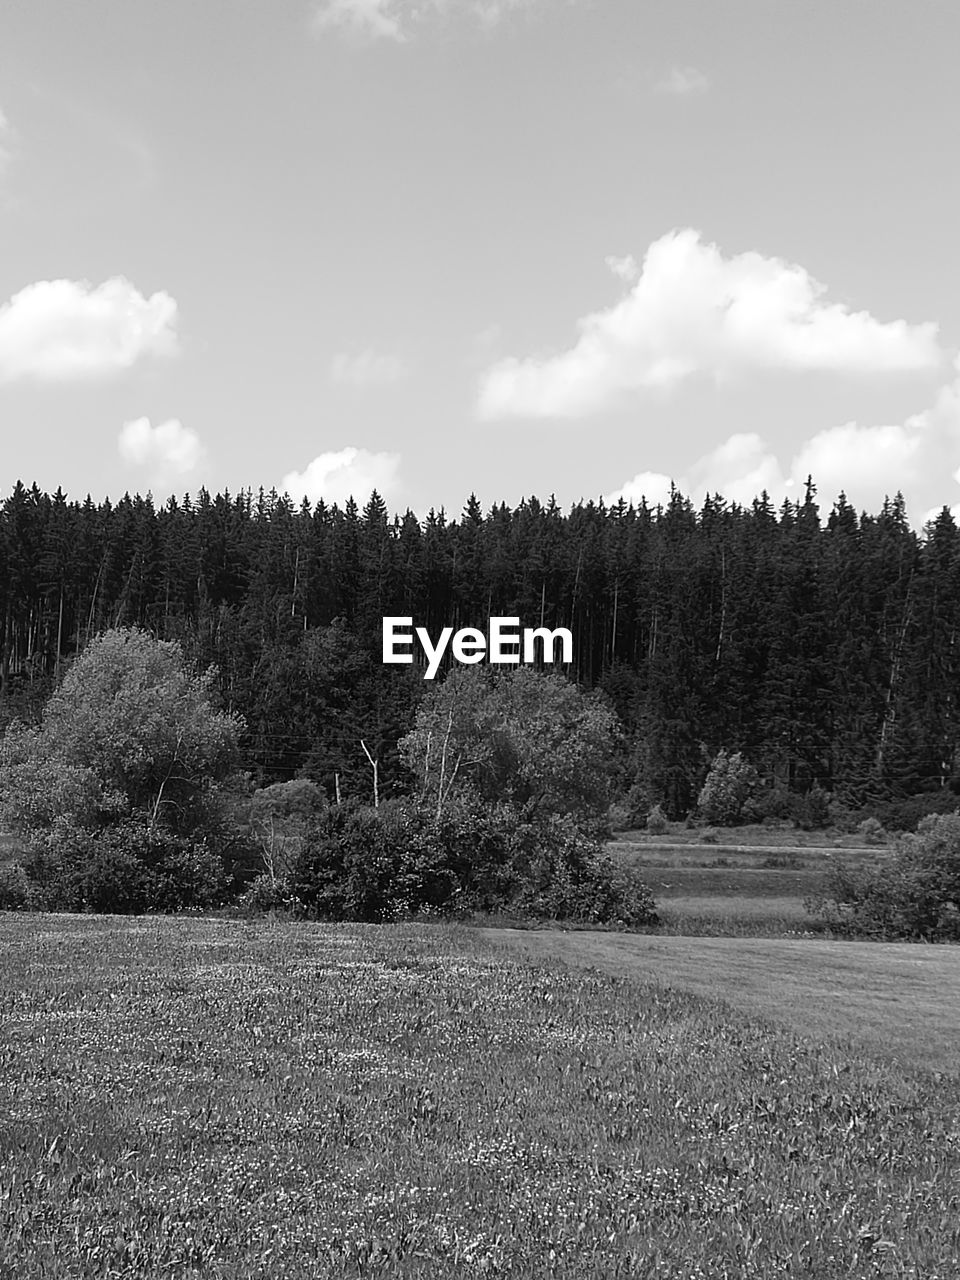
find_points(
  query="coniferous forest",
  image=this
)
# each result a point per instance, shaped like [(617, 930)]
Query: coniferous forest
[(822, 644)]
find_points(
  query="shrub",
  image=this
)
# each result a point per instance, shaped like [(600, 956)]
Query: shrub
[(906, 814), (914, 896), (657, 821), (619, 817), (125, 868), (728, 786), (268, 894), (871, 830), (365, 864), (842, 816), (402, 860), (15, 889), (769, 805), (811, 811)]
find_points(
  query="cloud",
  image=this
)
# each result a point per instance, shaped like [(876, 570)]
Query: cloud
[(691, 311), (397, 20), (919, 457), (367, 369), (347, 473), (61, 329), (625, 268), (652, 486), (8, 139), (378, 19), (683, 82), (167, 449)]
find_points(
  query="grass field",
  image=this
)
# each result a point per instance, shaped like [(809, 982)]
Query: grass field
[(895, 1000), (184, 1097), (749, 836), (754, 888)]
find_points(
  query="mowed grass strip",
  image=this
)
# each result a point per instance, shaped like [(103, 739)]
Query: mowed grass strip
[(734, 916), (184, 1097), (896, 1000), (666, 883)]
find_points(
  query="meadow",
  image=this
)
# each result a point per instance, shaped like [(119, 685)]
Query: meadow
[(752, 883), (218, 1098)]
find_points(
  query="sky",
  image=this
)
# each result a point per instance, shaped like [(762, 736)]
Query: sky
[(511, 247)]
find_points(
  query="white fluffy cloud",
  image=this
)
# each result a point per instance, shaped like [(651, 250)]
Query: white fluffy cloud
[(168, 449), (343, 474), (692, 311), (367, 369), (919, 458), (398, 19), (682, 82), (62, 329)]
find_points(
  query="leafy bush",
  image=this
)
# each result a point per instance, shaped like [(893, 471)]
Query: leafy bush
[(871, 830), (842, 816), (401, 860), (15, 889), (620, 817), (811, 811), (657, 821), (124, 869), (728, 786), (631, 810), (906, 814), (914, 896), (366, 864), (770, 805), (268, 894)]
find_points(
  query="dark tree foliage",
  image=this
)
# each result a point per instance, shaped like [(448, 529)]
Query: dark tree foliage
[(826, 651)]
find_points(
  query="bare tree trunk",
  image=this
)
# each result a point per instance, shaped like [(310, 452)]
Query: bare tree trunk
[(374, 765), (443, 763), (613, 638), (56, 663), (723, 601)]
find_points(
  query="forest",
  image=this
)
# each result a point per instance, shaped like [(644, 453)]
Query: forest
[(821, 645)]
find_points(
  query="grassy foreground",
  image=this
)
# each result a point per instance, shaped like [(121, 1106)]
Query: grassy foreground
[(182, 1097)]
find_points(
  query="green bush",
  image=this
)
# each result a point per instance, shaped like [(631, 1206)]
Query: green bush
[(402, 860), (770, 805), (657, 821), (124, 869), (266, 894), (906, 814), (366, 864), (914, 896), (16, 893), (842, 817), (871, 830), (729, 785), (811, 811)]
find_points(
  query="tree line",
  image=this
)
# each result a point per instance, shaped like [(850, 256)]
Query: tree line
[(822, 647)]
